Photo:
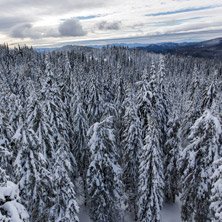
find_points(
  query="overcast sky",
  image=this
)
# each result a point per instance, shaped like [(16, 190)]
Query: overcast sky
[(48, 23)]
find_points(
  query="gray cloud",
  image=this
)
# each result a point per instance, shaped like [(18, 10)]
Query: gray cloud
[(15, 12), (50, 6), (10, 21), (28, 31), (71, 27), (109, 25), (24, 31)]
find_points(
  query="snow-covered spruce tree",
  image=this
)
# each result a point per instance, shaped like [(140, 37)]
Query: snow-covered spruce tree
[(144, 102), (216, 192), (37, 119), (79, 121), (132, 142), (103, 177), (171, 159), (31, 173), (11, 210), (54, 148), (192, 109), (65, 206), (6, 155), (199, 155), (162, 105), (118, 101), (79, 127), (95, 101), (150, 102), (63, 75), (54, 110), (209, 95), (151, 176), (61, 159)]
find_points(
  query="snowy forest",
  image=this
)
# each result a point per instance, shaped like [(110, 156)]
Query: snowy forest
[(115, 130)]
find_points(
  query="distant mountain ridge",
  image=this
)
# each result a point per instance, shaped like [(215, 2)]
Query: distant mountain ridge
[(206, 49), (162, 47)]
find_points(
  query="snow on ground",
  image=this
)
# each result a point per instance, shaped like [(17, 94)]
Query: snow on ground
[(171, 212), (84, 215), (128, 218)]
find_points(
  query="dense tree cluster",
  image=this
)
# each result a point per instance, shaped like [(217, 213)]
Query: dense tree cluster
[(129, 129)]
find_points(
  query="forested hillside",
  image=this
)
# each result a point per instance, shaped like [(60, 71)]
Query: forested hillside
[(123, 130)]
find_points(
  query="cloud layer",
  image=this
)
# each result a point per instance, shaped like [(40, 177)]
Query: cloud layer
[(71, 27), (50, 22), (68, 28), (104, 25)]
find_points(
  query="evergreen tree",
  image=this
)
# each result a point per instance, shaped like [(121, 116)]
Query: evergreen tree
[(79, 135), (62, 160), (79, 129), (144, 104), (203, 149), (216, 192), (95, 102), (6, 155), (151, 177), (132, 145), (162, 105), (192, 107), (33, 178), (171, 160), (104, 173), (10, 207), (65, 207)]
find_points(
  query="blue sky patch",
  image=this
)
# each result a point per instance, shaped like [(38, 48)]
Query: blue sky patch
[(182, 11), (87, 17), (176, 22)]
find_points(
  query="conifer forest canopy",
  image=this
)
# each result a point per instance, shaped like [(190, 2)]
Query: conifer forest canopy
[(115, 129)]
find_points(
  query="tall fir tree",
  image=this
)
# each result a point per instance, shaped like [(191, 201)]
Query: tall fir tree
[(80, 126), (133, 143), (151, 176), (10, 207), (171, 158), (199, 155), (104, 174), (216, 192)]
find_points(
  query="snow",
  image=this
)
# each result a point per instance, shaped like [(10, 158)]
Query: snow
[(11, 190), (171, 212), (84, 215), (16, 211), (128, 217), (17, 133)]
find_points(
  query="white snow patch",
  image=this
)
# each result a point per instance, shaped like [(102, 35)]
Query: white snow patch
[(84, 215), (17, 211), (11, 190), (129, 217), (171, 212)]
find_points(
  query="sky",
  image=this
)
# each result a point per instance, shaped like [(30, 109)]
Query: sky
[(54, 23)]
